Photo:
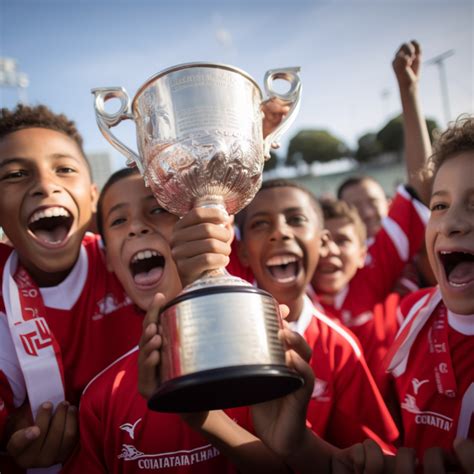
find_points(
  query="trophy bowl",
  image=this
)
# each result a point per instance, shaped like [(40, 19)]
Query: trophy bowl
[(200, 142)]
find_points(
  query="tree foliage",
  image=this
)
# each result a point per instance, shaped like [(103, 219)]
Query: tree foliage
[(272, 162), (388, 139), (368, 148), (315, 145)]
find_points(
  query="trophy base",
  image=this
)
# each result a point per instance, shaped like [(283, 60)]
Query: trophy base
[(224, 388)]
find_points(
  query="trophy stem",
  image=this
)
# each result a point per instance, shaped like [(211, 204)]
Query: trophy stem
[(211, 201)]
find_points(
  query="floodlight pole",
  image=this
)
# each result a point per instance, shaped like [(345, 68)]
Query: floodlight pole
[(438, 60)]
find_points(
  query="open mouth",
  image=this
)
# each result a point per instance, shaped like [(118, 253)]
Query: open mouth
[(51, 225), (458, 267), (284, 268), (327, 268), (147, 267)]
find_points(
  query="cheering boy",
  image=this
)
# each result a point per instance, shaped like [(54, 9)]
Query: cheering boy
[(431, 357), (281, 236), (118, 431), (63, 316)]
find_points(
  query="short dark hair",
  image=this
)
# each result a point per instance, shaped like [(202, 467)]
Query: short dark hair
[(241, 217), (352, 181), (39, 116), (117, 176), (339, 209), (457, 138)]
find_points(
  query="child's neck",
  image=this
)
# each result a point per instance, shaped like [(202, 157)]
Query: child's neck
[(296, 307), (46, 279)]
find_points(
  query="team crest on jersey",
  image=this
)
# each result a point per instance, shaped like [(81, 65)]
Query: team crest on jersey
[(430, 418), (417, 384), (108, 304), (183, 457), (130, 428), (319, 390)]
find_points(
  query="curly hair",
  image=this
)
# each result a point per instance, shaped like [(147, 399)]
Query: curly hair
[(40, 116), (458, 138)]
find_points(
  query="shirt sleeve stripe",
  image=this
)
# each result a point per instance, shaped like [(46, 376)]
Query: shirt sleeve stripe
[(398, 238)]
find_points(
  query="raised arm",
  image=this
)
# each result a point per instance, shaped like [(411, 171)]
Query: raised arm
[(406, 65)]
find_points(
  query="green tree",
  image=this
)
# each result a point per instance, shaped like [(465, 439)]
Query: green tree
[(391, 135), (315, 145), (272, 162), (368, 148)]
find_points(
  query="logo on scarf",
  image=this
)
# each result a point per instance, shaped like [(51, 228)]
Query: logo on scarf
[(38, 339)]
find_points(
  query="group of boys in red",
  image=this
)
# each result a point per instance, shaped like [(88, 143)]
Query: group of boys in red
[(73, 304)]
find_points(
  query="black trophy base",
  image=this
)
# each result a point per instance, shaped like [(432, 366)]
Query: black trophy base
[(224, 388)]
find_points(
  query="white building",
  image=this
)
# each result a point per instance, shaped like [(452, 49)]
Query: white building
[(101, 165)]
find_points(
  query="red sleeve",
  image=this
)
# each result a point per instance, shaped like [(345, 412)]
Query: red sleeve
[(235, 267), (88, 458), (399, 239), (360, 411)]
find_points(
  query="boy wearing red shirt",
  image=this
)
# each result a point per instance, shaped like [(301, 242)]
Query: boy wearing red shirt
[(281, 235), (63, 316), (354, 293), (357, 292), (431, 358), (118, 431)]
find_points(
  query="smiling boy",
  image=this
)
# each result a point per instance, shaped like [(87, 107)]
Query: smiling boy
[(432, 356), (358, 293), (281, 238), (118, 431), (63, 316)]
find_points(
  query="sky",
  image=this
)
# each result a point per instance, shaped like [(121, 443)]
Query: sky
[(344, 49)]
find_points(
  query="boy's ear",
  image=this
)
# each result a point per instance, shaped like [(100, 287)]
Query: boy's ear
[(242, 253), (94, 196), (324, 248), (362, 256)]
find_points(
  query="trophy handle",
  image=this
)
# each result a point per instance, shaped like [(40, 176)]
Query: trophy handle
[(291, 75), (106, 120)]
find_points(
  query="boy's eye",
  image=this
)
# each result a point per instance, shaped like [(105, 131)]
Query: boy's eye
[(341, 241), (157, 210), (258, 224), (296, 220), (66, 170), (14, 174), (117, 221), (439, 206)]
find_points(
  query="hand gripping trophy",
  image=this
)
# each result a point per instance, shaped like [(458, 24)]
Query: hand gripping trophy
[(199, 135)]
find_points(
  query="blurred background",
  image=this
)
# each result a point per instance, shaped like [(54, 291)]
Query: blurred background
[(55, 51)]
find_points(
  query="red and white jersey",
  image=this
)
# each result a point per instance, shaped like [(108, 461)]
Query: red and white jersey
[(91, 317), (346, 406), (433, 368), (361, 306), (119, 434)]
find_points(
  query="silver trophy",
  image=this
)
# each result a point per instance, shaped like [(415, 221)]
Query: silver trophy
[(199, 134)]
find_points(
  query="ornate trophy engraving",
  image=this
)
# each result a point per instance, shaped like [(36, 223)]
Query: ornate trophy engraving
[(199, 134)]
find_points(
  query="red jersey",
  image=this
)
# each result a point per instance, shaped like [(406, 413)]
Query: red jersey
[(91, 317), (432, 364), (361, 305), (346, 406), (119, 434)]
